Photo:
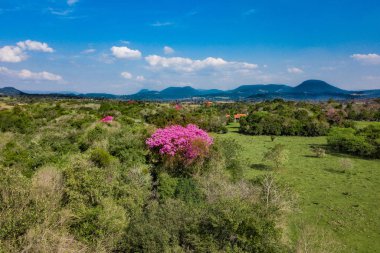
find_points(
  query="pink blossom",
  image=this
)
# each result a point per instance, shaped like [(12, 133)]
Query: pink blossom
[(107, 119), (178, 140)]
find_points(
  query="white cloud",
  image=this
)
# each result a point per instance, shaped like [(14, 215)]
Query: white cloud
[(88, 51), (17, 53), (12, 54), (181, 64), (168, 50), (35, 46), (129, 76), (59, 12), (125, 53), (126, 75), (294, 70), (72, 2), (159, 24), (29, 75), (367, 58)]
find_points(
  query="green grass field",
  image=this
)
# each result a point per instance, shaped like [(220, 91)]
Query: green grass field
[(362, 124), (341, 208)]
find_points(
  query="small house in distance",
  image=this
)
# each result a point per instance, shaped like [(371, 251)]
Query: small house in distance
[(239, 115)]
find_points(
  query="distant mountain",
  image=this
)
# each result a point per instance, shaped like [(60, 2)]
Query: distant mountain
[(44, 92), (99, 95), (10, 91), (172, 93), (307, 90), (316, 86), (179, 92), (245, 91)]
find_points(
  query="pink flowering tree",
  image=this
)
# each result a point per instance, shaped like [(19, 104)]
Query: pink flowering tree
[(178, 146)]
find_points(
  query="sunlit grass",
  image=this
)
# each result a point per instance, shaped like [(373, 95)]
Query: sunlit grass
[(343, 204)]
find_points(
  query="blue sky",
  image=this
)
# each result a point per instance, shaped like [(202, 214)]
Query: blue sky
[(124, 46)]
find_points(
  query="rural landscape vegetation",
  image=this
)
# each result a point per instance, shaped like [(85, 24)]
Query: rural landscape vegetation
[(201, 126)]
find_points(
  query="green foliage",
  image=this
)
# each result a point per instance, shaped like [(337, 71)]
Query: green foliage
[(230, 149), (18, 211), (237, 226), (167, 185), (93, 135), (16, 120), (188, 191), (285, 118), (363, 142), (128, 147), (277, 155), (101, 157)]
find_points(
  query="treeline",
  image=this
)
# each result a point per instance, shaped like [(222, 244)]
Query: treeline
[(362, 142), (304, 119)]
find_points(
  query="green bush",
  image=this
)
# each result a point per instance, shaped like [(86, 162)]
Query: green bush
[(363, 142), (16, 120), (230, 149), (101, 158), (128, 147), (277, 155)]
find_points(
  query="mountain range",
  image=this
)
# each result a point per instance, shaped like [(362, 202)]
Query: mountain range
[(307, 90)]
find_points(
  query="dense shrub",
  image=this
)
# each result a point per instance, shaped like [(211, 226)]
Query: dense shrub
[(264, 123), (101, 157), (16, 120), (128, 147), (364, 142), (230, 150)]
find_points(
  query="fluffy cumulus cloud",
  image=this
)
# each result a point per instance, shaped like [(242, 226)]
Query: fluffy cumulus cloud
[(29, 75), (12, 54), (294, 70), (168, 50), (18, 53), (181, 64), (126, 75), (125, 53), (35, 46), (129, 76), (367, 58)]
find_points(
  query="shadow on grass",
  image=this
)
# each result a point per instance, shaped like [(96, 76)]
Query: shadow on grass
[(336, 171), (312, 156), (333, 152), (260, 166)]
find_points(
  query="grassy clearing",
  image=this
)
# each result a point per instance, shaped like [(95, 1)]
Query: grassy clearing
[(363, 124), (341, 208)]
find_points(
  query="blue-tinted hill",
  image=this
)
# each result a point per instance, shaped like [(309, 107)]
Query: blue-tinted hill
[(307, 90)]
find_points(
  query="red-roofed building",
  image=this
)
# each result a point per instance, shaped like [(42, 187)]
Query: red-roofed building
[(239, 115)]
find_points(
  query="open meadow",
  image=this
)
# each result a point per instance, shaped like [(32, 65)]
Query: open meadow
[(335, 206)]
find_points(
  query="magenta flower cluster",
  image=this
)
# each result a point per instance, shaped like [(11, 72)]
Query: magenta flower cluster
[(179, 140)]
